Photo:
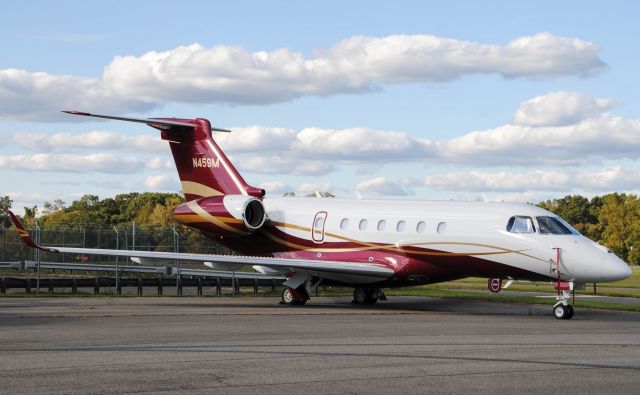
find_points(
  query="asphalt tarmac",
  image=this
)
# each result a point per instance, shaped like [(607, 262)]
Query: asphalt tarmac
[(254, 345)]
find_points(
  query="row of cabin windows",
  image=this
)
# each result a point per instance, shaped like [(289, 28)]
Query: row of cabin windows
[(400, 226)]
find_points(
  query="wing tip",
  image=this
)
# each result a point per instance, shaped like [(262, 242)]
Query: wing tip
[(76, 112), (22, 232)]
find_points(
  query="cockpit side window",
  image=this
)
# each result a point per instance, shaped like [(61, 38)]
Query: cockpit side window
[(552, 226), (520, 224)]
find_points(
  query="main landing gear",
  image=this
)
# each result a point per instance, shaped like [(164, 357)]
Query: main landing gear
[(362, 295), (295, 297), (563, 310), (299, 296)]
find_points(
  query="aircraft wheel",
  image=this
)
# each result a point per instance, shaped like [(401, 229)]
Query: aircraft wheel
[(372, 296), (560, 311), (360, 295), (287, 296), (294, 297), (570, 312), (363, 295)]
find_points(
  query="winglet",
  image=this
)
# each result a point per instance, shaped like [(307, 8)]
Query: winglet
[(24, 234), (77, 113)]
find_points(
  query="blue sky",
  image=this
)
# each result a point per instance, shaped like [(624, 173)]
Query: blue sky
[(417, 100)]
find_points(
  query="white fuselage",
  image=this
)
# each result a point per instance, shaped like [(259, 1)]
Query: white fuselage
[(471, 229)]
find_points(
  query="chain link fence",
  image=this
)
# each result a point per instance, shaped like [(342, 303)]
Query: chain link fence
[(132, 237)]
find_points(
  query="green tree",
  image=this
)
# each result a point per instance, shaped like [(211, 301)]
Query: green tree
[(5, 206), (619, 218), (579, 211), (30, 215), (50, 208)]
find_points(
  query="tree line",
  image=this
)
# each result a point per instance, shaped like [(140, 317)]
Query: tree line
[(612, 220)]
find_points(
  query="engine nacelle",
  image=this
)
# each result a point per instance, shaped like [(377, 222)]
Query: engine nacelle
[(228, 215), (248, 208)]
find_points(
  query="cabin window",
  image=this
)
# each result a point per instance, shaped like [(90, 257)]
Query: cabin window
[(420, 227), (381, 225), (400, 226), (442, 226), (319, 222), (363, 224), (520, 224), (552, 226), (344, 224)]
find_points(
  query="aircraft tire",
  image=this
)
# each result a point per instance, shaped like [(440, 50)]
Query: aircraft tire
[(570, 312), (287, 296), (360, 295), (293, 297), (372, 296), (365, 296), (560, 311)]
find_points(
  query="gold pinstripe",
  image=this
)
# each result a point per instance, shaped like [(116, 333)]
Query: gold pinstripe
[(194, 218), (195, 188), (393, 247), (202, 213)]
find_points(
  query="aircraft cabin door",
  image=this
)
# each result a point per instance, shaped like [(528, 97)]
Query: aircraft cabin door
[(317, 229)]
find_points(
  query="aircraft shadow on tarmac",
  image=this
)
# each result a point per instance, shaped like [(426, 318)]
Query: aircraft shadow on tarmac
[(398, 305)]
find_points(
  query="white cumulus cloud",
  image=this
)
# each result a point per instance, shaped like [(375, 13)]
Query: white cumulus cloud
[(161, 182), (359, 143), (275, 187), (285, 164), (71, 163), (37, 96), (311, 187), (615, 178), (559, 109), (601, 137), (231, 74), (234, 75), (382, 186), (594, 136), (95, 140), (256, 138)]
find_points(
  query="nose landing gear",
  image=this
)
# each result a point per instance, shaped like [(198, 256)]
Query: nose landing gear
[(563, 310)]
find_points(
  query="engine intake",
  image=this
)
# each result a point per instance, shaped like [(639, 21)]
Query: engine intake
[(249, 209)]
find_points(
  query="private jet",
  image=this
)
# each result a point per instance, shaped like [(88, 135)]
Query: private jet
[(369, 245)]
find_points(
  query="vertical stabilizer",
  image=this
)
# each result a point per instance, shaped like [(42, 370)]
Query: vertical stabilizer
[(203, 168)]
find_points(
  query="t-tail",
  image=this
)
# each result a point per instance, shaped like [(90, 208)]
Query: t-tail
[(219, 202), (203, 168)]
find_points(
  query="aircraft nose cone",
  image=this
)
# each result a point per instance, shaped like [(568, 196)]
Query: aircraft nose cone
[(620, 271), (626, 271)]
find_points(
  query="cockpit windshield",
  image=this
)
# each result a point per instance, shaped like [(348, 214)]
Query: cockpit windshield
[(520, 224), (552, 226)]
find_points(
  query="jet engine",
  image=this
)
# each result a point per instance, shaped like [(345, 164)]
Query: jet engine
[(248, 208), (228, 215)]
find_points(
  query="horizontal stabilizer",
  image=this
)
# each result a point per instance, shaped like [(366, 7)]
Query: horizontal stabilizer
[(160, 123)]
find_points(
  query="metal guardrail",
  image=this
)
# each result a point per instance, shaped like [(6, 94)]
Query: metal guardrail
[(12, 265), (97, 268), (166, 270), (168, 276)]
